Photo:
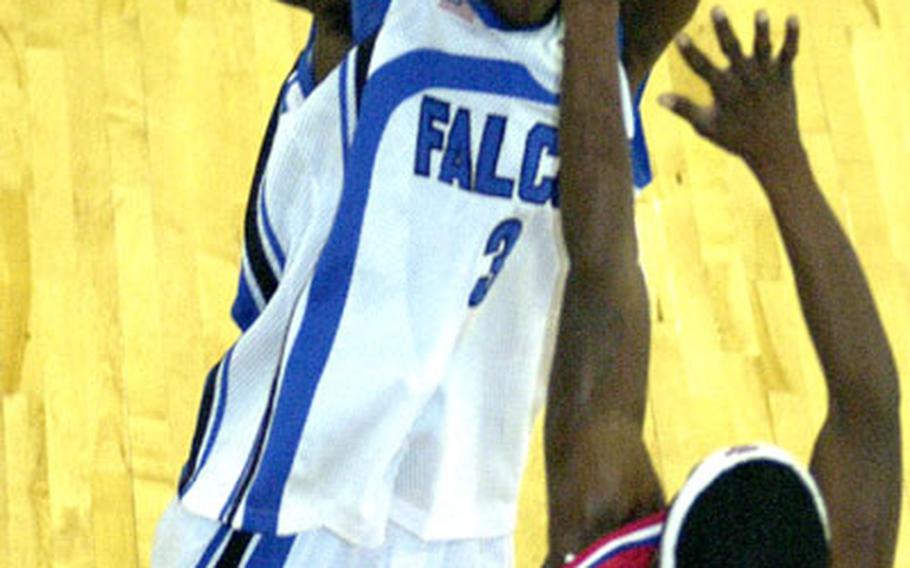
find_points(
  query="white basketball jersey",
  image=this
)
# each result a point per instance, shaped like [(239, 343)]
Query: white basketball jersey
[(397, 367)]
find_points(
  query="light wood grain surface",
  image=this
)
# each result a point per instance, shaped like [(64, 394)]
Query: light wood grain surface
[(128, 134)]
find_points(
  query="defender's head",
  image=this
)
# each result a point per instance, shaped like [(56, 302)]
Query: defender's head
[(749, 507)]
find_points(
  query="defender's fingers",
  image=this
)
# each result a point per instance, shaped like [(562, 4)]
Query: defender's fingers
[(791, 44), (729, 43), (697, 60), (762, 37), (698, 117)]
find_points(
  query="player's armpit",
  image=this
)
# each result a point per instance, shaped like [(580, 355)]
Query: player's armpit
[(649, 27)]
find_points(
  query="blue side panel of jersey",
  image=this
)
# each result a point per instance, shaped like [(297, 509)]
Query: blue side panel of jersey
[(332, 278)]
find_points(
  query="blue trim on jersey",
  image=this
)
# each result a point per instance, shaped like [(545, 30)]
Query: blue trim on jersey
[(271, 551), (306, 75), (213, 546), (331, 282), (651, 543), (495, 21), (303, 75), (270, 234), (367, 17), (219, 416), (202, 424), (343, 97), (244, 311), (283, 96), (642, 175)]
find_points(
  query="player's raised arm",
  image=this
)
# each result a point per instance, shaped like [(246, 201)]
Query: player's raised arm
[(650, 26), (598, 469), (857, 457)]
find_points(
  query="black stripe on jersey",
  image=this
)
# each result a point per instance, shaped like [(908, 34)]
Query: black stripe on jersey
[(255, 253), (364, 56), (202, 424), (235, 549)]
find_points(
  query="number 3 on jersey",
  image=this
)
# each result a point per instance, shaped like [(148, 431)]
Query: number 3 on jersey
[(500, 245)]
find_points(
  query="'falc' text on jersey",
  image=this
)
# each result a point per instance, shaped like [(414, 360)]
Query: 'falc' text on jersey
[(447, 130)]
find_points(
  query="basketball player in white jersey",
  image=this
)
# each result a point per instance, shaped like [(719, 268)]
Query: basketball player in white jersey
[(407, 213), (646, 27), (751, 506)]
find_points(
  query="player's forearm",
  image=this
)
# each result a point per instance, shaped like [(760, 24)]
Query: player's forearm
[(599, 473), (857, 458), (598, 469), (605, 298), (650, 26), (836, 300), (595, 175), (860, 479)]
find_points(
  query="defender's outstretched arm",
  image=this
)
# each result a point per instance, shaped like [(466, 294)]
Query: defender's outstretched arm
[(598, 469), (857, 457)]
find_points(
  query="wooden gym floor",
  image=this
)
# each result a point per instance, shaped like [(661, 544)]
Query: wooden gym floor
[(128, 133)]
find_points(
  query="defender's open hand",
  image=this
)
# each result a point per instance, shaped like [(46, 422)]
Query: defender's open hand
[(754, 111)]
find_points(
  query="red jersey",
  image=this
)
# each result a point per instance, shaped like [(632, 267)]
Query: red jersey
[(633, 546)]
